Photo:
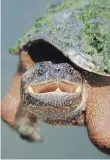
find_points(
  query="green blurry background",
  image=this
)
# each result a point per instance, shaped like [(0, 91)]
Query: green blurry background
[(59, 142)]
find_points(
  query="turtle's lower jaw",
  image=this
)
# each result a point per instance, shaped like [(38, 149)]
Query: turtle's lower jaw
[(61, 95)]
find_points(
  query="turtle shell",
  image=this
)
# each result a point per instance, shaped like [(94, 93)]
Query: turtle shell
[(81, 31)]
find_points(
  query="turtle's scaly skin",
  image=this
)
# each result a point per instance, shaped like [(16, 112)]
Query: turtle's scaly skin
[(98, 115), (10, 102), (54, 92), (11, 111), (82, 33)]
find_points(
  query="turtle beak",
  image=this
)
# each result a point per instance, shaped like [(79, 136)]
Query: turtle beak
[(59, 87)]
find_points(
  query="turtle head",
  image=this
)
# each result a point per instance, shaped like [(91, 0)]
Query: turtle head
[(52, 87)]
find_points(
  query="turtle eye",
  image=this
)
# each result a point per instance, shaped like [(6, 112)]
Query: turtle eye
[(42, 69), (70, 70)]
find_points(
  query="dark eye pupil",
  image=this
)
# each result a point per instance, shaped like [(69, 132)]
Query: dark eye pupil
[(70, 70), (41, 70)]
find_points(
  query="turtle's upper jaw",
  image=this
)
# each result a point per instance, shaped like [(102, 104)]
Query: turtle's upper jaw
[(52, 86), (56, 94)]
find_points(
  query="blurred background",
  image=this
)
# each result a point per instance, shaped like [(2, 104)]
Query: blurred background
[(59, 142)]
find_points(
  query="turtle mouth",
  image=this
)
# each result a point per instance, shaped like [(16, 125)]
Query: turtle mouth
[(61, 96), (54, 87)]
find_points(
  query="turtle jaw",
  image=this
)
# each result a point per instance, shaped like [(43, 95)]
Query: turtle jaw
[(59, 96), (54, 87)]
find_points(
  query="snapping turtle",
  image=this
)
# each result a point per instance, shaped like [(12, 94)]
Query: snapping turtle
[(63, 75)]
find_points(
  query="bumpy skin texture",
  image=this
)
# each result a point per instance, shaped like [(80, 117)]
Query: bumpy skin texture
[(98, 116), (15, 114), (11, 110), (54, 92), (97, 113), (10, 102)]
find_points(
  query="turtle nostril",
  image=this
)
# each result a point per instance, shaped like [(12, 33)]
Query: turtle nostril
[(57, 70)]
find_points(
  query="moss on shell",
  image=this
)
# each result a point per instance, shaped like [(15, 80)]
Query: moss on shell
[(95, 38), (96, 35)]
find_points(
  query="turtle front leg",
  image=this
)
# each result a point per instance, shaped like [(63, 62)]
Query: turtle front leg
[(10, 108), (11, 101), (26, 124), (98, 116)]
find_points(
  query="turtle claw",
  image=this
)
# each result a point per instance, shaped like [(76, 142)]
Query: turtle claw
[(31, 139), (26, 125), (29, 133)]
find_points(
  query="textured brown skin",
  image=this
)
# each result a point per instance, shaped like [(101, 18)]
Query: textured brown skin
[(10, 103), (26, 60), (98, 116), (97, 112), (11, 108)]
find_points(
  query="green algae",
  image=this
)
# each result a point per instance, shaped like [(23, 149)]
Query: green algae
[(95, 38), (96, 35)]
